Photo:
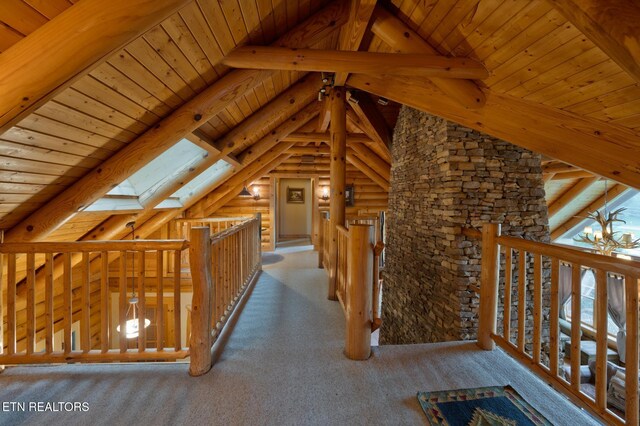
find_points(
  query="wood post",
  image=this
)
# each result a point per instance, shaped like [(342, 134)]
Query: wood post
[(321, 237), (359, 292), (631, 356), (200, 262), (259, 242), (489, 286), (338, 168)]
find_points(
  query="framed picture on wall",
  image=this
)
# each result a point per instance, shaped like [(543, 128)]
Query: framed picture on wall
[(295, 195), (348, 194)]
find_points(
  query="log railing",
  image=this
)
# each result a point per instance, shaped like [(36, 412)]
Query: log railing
[(341, 266), (223, 267), (59, 313), (519, 258), (325, 242), (216, 224)]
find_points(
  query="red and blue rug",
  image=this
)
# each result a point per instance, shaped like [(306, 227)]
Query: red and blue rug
[(492, 406)]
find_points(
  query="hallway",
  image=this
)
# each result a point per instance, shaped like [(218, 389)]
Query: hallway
[(283, 365)]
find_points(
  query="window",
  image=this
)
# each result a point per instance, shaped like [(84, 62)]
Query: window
[(133, 193), (587, 304)]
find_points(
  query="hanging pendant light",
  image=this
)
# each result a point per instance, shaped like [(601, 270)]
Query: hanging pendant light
[(606, 241), (132, 325)]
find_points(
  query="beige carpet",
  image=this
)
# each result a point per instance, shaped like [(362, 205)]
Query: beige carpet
[(283, 366)]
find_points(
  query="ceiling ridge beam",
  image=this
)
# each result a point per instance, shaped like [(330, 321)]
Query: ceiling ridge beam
[(403, 39), (601, 148), (352, 33), (167, 132), (68, 47)]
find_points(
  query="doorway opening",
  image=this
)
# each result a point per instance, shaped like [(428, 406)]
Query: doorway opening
[(295, 212)]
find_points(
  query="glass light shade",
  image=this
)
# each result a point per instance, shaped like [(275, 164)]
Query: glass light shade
[(256, 192), (588, 230), (131, 328), (597, 235)]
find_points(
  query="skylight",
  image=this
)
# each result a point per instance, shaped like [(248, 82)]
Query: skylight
[(131, 194)]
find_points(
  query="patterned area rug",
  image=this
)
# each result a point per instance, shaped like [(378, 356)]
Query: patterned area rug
[(493, 406)]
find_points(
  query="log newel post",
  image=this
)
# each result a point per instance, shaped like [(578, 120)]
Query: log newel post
[(338, 170), (359, 292), (489, 282), (200, 263)]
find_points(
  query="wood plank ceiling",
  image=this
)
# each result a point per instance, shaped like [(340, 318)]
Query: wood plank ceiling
[(531, 51)]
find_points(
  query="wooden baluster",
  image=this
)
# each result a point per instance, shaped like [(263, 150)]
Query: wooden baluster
[(11, 303), (555, 315), (67, 314), (217, 283), (85, 322), (122, 301), (489, 281), (522, 299), (200, 340), (2, 275), (142, 314), (105, 326), (225, 265), (31, 303), (537, 307), (601, 339), (48, 302), (631, 357), (160, 300), (359, 288), (177, 322), (575, 325), (508, 278)]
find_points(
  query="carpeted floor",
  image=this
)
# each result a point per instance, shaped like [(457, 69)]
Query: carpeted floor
[(283, 365)]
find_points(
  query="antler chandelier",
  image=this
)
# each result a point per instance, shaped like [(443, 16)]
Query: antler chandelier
[(606, 241)]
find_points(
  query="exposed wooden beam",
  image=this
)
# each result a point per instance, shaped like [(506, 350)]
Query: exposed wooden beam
[(612, 25), (168, 132), (369, 157), (406, 64), (324, 137), (365, 168), (280, 133), (352, 33), (402, 39), (570, 194), (309, 150), (546, 177), (557, 167), (325, 116), (578, 174), (582, 214), (203, 141), (287, 103), (602, 148), (48, 60), (372, 121)]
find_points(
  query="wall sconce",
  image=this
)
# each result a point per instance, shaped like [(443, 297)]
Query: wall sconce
[(256, 194), (325, 193)]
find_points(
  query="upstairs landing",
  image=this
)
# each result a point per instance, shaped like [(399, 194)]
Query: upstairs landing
[(283, 365)]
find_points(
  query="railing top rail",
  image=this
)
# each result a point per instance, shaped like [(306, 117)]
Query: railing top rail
[(230, 231), (572, 255), (212, 219), (93, 246)]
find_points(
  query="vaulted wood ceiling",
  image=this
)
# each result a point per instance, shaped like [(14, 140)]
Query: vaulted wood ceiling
[(556, 85)]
